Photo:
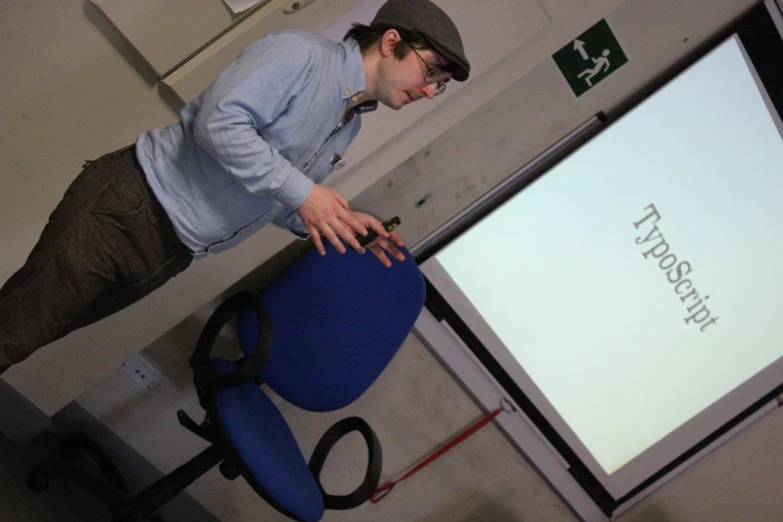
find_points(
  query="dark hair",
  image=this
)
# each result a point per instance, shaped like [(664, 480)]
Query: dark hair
[(369, 35)]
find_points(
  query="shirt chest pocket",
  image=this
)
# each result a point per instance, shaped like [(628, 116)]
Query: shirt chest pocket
[(330, 156), (318, 167), (325, 162)]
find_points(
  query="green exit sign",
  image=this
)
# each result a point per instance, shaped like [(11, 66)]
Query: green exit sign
[(590, 58)]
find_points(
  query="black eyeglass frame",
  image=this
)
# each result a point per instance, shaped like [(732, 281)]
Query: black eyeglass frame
[(431, 73)]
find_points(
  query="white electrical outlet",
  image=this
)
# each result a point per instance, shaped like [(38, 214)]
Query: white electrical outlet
[(142, 373)]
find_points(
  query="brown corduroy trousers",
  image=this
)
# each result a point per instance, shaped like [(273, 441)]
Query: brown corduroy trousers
[(107, 244)]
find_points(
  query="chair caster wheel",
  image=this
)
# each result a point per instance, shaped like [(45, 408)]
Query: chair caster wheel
[(37, 481)]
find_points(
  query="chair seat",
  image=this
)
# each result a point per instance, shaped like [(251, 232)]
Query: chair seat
[(268, 449)]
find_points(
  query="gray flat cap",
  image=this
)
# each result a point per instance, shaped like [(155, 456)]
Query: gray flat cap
[(433, 23)]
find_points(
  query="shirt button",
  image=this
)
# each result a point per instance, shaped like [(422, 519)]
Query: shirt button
[(355, 97), (347, 92), (340, 164)]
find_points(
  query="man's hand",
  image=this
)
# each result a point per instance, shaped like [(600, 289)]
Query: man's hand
[(326, 211), (388, 241)]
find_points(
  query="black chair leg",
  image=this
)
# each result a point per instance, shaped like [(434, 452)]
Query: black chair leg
[(75, 443), (148, 501), (39, 477), (110, 488)]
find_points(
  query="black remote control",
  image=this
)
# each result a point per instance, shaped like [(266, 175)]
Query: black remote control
[(389, 225)]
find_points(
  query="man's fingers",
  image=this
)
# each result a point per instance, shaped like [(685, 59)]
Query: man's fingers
[(316, 235), (397, 239), (378, 251), (354, 224), (392, 245), (329, 218), (349, 236), (377, 226), (333, 239), (341, 200), (378, 247), (393, 250)]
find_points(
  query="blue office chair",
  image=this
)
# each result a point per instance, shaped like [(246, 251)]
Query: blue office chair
[(319, 336)]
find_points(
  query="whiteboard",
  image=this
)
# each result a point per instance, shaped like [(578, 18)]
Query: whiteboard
[(628, 372)]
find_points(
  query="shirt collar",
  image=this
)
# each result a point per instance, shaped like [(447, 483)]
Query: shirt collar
[(353, 82)]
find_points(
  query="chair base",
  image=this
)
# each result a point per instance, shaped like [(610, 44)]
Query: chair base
[(109, 487)]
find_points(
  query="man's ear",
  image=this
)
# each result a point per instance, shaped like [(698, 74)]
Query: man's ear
[(389, 41)]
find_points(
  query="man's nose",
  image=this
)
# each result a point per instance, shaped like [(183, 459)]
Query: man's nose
[(429, 90)]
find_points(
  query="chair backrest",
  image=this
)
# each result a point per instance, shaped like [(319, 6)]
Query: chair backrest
[(337, 321)]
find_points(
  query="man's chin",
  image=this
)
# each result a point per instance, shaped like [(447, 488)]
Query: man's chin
[(394, 105)]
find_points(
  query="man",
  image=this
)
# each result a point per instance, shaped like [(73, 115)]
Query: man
[(250, 150)]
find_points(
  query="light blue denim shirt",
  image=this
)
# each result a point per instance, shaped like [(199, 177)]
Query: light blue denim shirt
[(248, 150)]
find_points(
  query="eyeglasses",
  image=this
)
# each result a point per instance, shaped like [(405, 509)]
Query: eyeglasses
[(431, 74)]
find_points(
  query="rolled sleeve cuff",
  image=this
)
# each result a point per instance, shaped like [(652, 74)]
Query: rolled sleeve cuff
[(293, 224), (295, 190), (296, 227)]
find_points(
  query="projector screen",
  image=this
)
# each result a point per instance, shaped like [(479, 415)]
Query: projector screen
[(632, 292)]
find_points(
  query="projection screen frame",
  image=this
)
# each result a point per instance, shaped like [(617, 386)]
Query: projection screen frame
[(444, 314)]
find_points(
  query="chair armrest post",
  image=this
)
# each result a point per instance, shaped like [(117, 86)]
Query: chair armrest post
[(204, 374)]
